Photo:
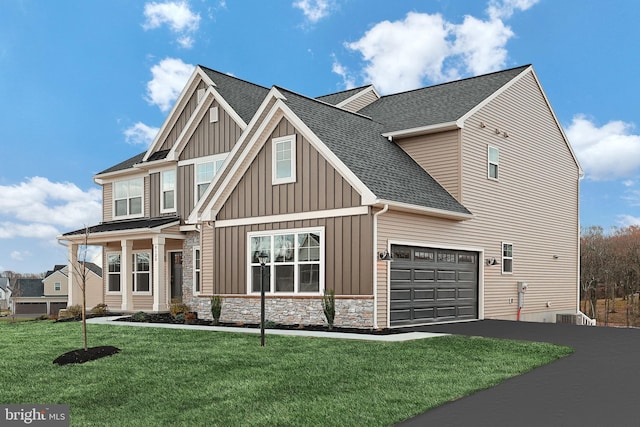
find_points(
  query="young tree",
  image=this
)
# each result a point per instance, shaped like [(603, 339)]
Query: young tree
[(79, 269)]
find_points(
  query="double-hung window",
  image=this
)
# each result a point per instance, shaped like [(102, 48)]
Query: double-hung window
[(196, 271), (168, 196), (141, 272), (493, 162), (295, 261), (507, 258), (57, 286), (283, 162), (113, 273), (127, 197), (205, 171)]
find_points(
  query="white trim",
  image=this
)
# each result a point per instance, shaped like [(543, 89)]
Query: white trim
[(134, 280), (198, 270), (503, 257), (489, 163), (425, 130), (439, 213), (330, 213), (175, 190), (106, 273), (271, 233), (375, 266), (292, 160), (201, 161), (142, 199), (359, 94), (204, 159)]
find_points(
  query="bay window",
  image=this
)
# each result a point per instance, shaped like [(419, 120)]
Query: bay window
[(295, 260)]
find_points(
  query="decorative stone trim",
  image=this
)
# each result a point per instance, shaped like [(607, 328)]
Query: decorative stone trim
[(351, 312)]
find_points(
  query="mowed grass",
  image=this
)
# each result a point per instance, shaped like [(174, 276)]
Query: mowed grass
[(166, 377)]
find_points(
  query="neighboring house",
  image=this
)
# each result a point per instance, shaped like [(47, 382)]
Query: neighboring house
[(471, 187), (56, 282), (30, 297), (5, 293)]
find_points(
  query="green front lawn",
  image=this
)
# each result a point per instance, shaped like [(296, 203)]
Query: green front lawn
[(199, 378)]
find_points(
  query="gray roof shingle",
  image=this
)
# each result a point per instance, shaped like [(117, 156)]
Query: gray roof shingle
[(338, 97), (28, 288), (127, 224), (125, 164), (438, 104)]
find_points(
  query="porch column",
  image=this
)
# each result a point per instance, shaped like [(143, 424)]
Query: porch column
[(73, 261), (159, 288), (126, 271)]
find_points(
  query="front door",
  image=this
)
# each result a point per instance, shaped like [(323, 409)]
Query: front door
[(176, 275)]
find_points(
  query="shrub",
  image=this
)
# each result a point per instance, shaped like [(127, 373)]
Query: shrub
[(216, 308), (140, 316), (43, 317), (180, 317), (75, 310), (190, 317), (178, 307), (100, 309), (269, 324), (329, 306)]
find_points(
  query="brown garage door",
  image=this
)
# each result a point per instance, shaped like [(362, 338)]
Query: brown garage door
[(31, 308), (55, 307), (432, 285)]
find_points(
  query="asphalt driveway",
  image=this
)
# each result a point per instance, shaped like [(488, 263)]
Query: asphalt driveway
[(598, 385)]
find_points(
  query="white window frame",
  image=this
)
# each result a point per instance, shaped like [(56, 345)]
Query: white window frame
[(119, 274), (506, 257), (491, 163), (296, 263), (217, 160), (275, 142), (197, 271), (163, 208), (128, 198), (57, 286), (134, 272)]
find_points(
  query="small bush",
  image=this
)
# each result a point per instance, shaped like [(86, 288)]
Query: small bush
[(178, 307), (75, 310), (140, 316), (180, 317), (190, 317), (268, 324), (43, 317), (216, 308), (329, 306), (100, 309)]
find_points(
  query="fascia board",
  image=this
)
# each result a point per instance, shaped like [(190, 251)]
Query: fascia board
[(178, 106), (358, 95), (205, 201), (424, 130), (140, 233), (440, 213)]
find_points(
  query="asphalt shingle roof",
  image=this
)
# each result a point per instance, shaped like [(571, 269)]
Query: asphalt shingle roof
[(28, 288), (125, 164), (388, 171), (338, 97), (438, 104), (129, 224)]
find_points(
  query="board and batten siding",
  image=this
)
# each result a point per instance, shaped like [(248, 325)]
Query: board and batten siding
[(185, 186), (348, 259), (318, 185), (182, 119), (533, 205), (212, 138), (438, 154)]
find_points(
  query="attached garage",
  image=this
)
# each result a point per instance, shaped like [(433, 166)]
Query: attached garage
[(31, 308), (432, 285), (55, 307)]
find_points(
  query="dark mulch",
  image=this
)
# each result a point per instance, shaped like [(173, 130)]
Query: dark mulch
[(167, 318), (81, 355)]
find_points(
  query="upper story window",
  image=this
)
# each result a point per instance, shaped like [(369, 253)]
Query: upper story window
[(127, 197), (283, 159), (57, 286), (168, 196), (206, 169), (493, 162), (507, 258), (295, 264)]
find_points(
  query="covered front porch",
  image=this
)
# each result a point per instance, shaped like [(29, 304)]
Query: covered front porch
[(141, 258)]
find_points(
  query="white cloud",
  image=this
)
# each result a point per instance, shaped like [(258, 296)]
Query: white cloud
[(628, 220), (401, 55), (611, 151), (313, 10), (348, 79), (177, 16), (628, 183), (20, 255), (169, 77), (140, 134), (504, 9), (42, 209)]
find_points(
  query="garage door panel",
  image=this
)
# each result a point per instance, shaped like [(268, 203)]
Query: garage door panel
[(430, 285)]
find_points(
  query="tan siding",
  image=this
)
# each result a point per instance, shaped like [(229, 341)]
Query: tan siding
[(318, 186), (185, 186), (142, 302), (154, 195), (207, 260), (348, 267), (147, 195), (182, 119), (360, 102), (107, 202), (438, 154), (533, 206), (212, 138)]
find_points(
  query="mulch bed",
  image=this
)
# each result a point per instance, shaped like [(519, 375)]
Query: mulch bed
[(82, 355)]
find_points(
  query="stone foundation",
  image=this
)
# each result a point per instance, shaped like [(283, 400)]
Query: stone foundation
[(350, 312)]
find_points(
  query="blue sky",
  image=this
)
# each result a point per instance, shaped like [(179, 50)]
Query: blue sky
[(86, 84)]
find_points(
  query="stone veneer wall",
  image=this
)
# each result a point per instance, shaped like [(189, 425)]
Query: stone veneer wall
[(192, 240), (353, 313)]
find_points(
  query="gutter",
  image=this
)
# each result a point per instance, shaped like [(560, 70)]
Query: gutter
[(375, 264)]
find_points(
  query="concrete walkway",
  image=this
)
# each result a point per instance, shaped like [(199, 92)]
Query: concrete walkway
[(412, 335)]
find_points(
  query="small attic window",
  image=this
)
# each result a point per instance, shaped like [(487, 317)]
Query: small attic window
[(200, 94)]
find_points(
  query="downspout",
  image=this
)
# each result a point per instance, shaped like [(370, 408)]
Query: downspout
[(375, 264)]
